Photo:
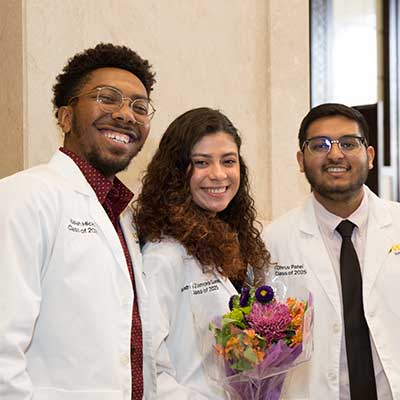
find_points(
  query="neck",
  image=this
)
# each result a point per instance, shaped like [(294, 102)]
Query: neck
[(342, 207)]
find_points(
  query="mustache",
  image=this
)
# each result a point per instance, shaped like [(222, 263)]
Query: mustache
[(106, 122), (335, 165)]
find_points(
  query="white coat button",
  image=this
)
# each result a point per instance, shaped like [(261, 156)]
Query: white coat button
[(371, 314), (124, 360), (336, 328)]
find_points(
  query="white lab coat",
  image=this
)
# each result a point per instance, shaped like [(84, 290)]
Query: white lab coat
[(65, 291), (183, 302), (296, 245)]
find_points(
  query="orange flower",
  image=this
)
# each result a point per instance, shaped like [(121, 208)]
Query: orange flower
[(298, 337), (219, 349), (251, 333)]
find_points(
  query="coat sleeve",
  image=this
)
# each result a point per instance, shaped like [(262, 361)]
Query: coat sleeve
[(162, 274), (26, 216)]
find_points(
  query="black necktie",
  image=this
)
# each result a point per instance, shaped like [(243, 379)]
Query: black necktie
[(358, 345)]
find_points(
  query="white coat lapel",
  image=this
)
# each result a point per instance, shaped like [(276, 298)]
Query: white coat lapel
[(132, 240), (380, 238), (111, 238), (226, 283), (66, 167), (315, 256)]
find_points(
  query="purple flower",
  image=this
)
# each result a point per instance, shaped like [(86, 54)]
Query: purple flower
[(270, 320), (264, 294), (244, 297)]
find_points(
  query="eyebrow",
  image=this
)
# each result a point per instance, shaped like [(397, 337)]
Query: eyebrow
[(134, 97), (345, 135), (210, 156)]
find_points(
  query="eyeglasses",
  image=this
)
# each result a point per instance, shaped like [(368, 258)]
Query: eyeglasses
[(112, 100), (323, 144)]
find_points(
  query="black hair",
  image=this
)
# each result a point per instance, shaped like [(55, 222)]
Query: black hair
[(105, 55), (329, 110)]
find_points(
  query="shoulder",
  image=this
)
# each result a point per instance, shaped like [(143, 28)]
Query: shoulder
[(392, 206), (31, 199), (29, 186), (378, 204), (165, 254), (166, 247), (283, 224), (41, 177)]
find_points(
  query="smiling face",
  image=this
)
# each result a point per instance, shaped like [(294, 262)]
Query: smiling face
[(108, 141), (215, 176), (336, 176)]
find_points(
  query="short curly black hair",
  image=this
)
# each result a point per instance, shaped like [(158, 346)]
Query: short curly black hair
[(79, 67)]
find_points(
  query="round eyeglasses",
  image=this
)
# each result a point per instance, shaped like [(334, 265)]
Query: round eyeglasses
[(323, 144), (112, 100)]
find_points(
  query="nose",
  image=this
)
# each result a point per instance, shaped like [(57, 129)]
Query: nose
[(125, 113), (217, 172), (335, 152)]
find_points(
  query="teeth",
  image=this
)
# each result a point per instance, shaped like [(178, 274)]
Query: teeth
[(216, 190), (336, 169), (117, 137)]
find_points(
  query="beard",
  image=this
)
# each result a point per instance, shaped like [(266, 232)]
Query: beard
[(337, 192), (106, 164)]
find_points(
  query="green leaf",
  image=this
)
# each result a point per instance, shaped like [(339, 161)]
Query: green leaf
[(241, 365), (250, 355)]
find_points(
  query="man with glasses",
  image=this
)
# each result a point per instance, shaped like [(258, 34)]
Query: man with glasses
[(343, 245), (74, 321)]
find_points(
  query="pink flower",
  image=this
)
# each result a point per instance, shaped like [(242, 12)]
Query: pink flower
[(270, 320)]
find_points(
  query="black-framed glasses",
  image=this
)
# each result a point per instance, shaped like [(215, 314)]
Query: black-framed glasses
[(323, 144), (112, 100)]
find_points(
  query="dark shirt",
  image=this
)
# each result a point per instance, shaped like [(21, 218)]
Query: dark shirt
[(114, 197)]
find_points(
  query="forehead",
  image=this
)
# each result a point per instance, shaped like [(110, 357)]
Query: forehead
[(128, 83), (333, 126), (216, 143)]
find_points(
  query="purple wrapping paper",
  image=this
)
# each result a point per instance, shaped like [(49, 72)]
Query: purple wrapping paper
[(265, 381)]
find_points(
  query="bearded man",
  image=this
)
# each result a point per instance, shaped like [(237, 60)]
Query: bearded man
[(342, 245)]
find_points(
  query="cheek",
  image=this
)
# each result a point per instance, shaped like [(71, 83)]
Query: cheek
[(86, 119), (194, 180), (236, 180), (195, 190), (312, 166), (145, 132)]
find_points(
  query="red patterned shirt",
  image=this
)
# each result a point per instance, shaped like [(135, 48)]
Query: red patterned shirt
[(114, 197)]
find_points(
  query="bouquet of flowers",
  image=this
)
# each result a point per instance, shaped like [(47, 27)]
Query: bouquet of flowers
[(258, 341)]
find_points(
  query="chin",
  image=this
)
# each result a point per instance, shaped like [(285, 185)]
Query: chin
[(217, 209)]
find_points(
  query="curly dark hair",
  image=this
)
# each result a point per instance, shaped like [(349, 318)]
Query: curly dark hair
[(78, 69), (228, 241)]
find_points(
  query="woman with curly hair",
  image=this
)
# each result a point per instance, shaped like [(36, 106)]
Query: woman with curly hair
[(196, 219)]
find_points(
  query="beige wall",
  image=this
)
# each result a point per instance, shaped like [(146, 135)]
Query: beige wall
[(288, 91), (247, 58), (11, 87)]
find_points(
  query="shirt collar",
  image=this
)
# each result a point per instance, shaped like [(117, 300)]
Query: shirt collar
[(116, 191), (330, 221)]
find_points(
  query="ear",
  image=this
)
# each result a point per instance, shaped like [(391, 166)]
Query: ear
[(371, 156), (65, 118), (300, 160)]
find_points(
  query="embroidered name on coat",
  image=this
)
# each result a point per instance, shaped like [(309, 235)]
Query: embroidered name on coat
[(292, 269), (83, 227)]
